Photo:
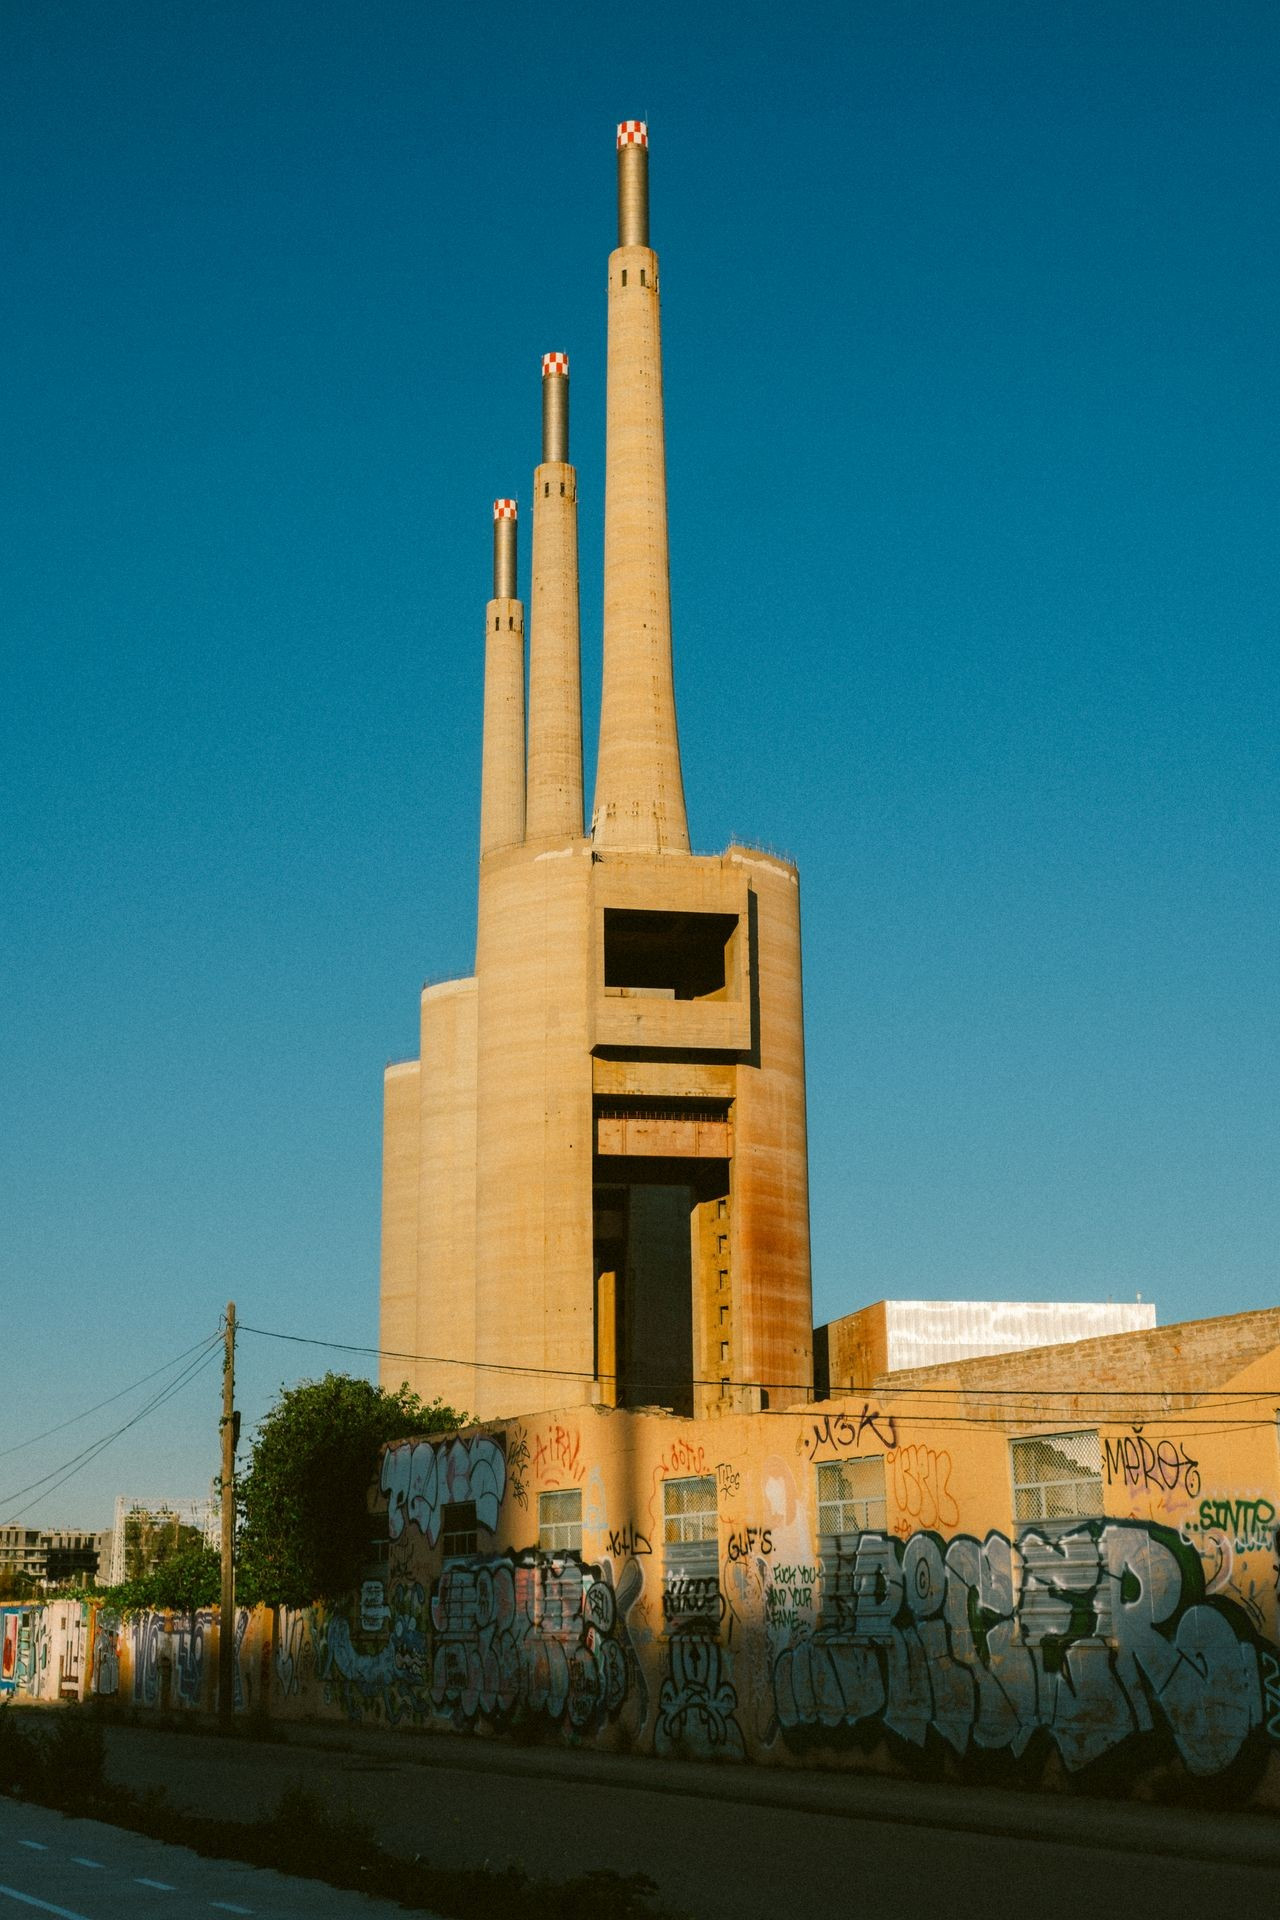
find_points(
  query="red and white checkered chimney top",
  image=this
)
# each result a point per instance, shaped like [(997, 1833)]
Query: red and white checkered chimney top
[(504, 509), (633, 133), (555, 363)]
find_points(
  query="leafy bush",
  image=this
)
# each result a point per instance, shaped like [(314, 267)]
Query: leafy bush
[(58, 1759), (304, 1502), (187, 1580)]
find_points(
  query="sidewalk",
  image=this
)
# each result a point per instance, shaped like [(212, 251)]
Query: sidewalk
[(351, 1754)]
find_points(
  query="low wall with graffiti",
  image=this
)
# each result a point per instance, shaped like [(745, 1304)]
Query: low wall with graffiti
[(77, 1650), (834, 1586)]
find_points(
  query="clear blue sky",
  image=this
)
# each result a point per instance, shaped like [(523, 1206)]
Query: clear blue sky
[(970, 327)]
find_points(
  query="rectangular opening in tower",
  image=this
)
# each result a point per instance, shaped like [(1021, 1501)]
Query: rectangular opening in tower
[(678, 956), (662, 1280)]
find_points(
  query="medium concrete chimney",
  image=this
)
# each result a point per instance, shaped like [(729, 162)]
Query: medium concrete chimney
[(633, 184), (502, 760), (639, 801), (555, 681)]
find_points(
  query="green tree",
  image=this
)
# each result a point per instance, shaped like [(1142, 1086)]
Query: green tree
[(185, 1580), (304, 1525), (152, 1538)]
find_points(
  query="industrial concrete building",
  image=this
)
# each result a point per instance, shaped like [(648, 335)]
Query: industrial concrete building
[(854, 1352), (53, 1556), (595, 1173)]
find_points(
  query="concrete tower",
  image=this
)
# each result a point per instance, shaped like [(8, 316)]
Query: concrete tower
[(595, 1176), (639, 789)]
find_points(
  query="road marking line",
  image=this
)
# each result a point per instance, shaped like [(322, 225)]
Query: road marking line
[(77, 1861), (29, 1899), (227, 1906), (162, 1885)]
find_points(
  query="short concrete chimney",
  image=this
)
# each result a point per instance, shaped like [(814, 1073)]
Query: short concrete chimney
[(502, 761)]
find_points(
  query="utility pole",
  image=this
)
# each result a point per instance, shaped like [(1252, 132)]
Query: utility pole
[(228, 1426)]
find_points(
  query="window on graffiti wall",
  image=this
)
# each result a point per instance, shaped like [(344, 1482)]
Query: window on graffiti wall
[(851, 1501), (1057, 1476), (458, 1528), (560, 1521), (690, 1553)]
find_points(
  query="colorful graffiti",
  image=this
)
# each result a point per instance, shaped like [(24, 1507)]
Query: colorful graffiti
[(389, 1683), (1119, 1646), (104, 1679), (697, 1701), (17, 1656), (422, 1477), (531, 1633), (1245, 1524), (294, 1654), (1106, 1635), (145, 1631)]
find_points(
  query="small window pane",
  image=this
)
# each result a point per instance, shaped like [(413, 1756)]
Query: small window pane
[(560, 1521), (458, 1528)]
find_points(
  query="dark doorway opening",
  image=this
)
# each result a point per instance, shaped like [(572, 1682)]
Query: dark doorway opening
[(651, 1276)]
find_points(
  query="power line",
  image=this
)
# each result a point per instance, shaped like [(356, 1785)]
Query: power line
[(21, 1445), (1010, 1402), (58, 1476)]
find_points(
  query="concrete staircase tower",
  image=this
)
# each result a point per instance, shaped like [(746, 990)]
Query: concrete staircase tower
[(595, 1179)]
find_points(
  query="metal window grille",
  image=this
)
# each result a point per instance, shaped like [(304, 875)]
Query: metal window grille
[(689, 1511), (458, 1528), (560, 1521), (690, 1553), (851, 1501), (851, 1496), (1057, 1476)]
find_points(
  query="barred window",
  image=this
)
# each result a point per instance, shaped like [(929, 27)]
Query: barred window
[(1057, 1476), (458, 1528), (560, 1521), (689, 1510), (851, 1501), (851, 1496), (690, 1553)]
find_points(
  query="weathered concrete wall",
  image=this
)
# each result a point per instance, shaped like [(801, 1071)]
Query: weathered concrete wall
[(1181, 1358), (1134, 1647)]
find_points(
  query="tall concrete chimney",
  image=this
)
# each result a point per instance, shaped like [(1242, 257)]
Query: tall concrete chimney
[(502, 762), (639, 800), (555, 686)]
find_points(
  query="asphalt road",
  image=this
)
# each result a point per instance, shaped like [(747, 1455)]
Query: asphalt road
[(83, 1870), (739, 1843)]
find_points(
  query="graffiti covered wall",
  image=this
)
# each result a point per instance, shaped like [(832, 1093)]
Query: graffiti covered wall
[(77, 1650), (843, 1585)]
